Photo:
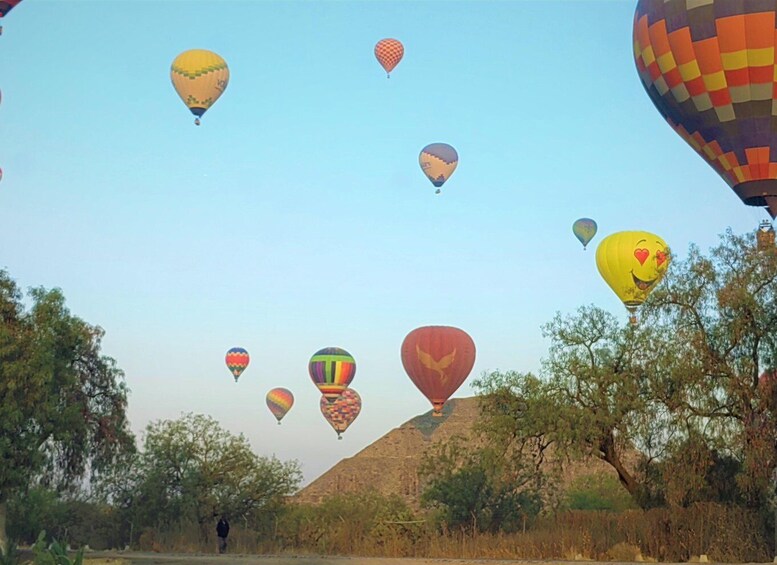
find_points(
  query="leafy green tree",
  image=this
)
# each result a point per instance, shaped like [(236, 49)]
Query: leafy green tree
[(62, 403), (717, 317), (479, 489), (191, 469), (673, 404)]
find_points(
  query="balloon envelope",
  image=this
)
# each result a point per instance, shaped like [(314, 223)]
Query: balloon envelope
[(389, 53), (237, 360), (438, 359), (200, 78), (343, 411), (279, 401), (709, 71), (584, 230), (438, 161), (632, 263), (332, 369), (6, 6)]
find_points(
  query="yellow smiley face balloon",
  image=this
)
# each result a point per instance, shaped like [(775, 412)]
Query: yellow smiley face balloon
[(632, 263)]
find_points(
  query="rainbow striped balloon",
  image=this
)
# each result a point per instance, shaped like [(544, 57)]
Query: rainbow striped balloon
[(332, 370), (280, 401), (237, 361), (343, 411)]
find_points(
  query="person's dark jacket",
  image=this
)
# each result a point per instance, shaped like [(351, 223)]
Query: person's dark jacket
[(222, 528)]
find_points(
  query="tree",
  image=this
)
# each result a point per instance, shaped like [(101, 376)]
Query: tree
[(718, 318), (481, 489), (62, 403), (192, 470), (674, 404)]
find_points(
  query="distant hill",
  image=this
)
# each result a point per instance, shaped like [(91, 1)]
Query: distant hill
[(390, 464)]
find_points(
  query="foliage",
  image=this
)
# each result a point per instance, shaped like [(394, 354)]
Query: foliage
[(597, 492), (479, 489), (673, 404), (717, 318), (78, 520), (191, 469), (62, 403), (10, 556), (360, 524), (54, 553)]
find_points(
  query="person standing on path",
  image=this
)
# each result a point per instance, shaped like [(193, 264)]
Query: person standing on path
[(222, 530)]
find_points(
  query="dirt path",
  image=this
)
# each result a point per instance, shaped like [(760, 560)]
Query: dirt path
[(133, 558)]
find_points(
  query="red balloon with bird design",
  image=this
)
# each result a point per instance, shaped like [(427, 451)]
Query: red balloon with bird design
[(438, 359)]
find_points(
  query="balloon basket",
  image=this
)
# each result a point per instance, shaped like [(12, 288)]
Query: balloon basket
[(196, 121), (633, 320)]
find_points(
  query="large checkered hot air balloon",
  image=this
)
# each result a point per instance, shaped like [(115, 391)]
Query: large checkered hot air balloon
[(438, 161), (5, 7), (200, 77), (438, 359), (389, 53), (343, 411), (708, 66), (332, 369)]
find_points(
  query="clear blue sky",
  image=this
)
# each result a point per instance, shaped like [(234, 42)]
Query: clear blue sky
[(296, 217)]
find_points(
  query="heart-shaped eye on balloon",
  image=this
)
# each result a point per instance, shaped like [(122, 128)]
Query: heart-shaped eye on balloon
[(660, 257), (641, 255)]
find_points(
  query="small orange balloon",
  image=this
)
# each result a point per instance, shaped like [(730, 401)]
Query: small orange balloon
[(389, 53)]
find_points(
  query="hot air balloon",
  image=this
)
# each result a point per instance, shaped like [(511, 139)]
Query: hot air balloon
[(389, 53), (5, 7), (332, 370), (199, 77), (343, 411), (709, 70), (438, 161), (438, 359), (237, 361), (280, 401), (584, 230), (632, 263), (764, 236)]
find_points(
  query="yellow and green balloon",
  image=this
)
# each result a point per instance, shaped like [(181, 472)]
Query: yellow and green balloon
[(200, 77)]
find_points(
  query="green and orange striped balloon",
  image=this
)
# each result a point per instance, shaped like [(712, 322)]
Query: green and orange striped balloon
[(332, 369)]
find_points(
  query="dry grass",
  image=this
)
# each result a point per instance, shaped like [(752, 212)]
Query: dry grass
[(725, 534)]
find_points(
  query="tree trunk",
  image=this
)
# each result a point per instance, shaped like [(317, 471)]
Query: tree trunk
[(610, 455), (3, 538)]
